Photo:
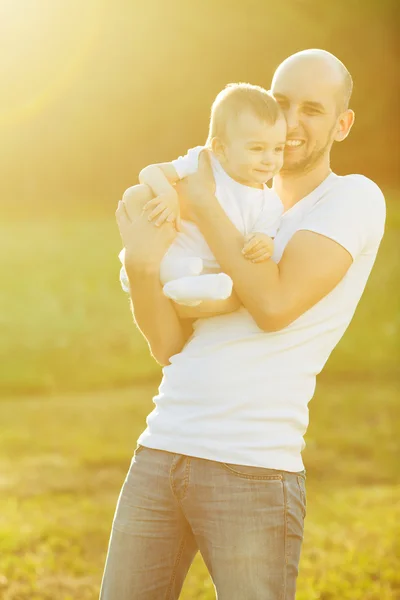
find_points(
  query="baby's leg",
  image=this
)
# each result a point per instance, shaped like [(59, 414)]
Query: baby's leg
[(135, 198), (190, 291)]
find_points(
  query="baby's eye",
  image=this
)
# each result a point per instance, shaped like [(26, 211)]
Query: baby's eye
[(279, 149), (256, 148)]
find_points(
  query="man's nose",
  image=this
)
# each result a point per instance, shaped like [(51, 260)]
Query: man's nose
[(292, 117)]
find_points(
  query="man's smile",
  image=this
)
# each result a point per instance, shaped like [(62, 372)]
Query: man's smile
[(294, 143)]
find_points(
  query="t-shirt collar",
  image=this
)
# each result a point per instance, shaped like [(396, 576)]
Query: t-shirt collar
[(311, 198)]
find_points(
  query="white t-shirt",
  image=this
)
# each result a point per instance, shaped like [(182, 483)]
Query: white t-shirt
[(237, 394)]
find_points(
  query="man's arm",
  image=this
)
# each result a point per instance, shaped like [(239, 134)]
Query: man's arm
[(275, 295), (155, 316), (145, 245), (167, 331), (208, 308)]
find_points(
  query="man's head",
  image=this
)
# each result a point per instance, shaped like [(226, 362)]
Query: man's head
[(247, 133), (313, 88)]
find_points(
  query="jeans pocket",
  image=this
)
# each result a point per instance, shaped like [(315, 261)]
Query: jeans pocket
[(256, 473)]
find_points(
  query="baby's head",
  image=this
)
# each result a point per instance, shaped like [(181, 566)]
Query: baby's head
[(247, 133)]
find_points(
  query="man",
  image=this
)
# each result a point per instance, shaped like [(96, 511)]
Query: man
[(219, 466)]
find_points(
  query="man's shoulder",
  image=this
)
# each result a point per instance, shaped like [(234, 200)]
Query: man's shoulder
[(350, 206), (358, 184), (355, 195)]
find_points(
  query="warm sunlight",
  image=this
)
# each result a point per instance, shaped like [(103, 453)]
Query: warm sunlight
[(159, 432), (47, 45)]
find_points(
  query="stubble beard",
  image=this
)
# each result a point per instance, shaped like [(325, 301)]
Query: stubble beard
[(308, 163)]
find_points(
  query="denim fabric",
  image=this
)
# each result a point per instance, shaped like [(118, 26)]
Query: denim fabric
[(247, 522)]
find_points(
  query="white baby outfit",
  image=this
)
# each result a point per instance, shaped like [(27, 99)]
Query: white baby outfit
[(250, 210)]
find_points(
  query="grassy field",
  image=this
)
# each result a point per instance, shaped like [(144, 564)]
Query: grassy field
[(64, 460), (76, 384), (66, 324)]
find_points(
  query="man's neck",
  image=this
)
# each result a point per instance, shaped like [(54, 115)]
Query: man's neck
[(291, 188)]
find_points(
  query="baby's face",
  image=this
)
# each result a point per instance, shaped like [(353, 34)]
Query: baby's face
[(252, 152)]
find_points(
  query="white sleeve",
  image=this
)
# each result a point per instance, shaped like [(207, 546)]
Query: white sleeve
[(123, 277), (269, 219), (185, 165), (352, 214)]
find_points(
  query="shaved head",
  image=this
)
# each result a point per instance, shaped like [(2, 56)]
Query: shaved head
[(313, 89), (322, 64)]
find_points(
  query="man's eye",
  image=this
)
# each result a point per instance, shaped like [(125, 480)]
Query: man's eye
[(311, 111)]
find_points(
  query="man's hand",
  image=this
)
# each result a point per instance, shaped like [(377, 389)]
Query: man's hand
[(258, 247), (165, 208)]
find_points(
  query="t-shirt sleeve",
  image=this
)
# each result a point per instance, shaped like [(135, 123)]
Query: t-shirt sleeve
[(123, 277), (269, 219), (185, 165), (352, 214)]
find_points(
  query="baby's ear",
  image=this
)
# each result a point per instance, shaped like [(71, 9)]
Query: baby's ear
[(217, 147)]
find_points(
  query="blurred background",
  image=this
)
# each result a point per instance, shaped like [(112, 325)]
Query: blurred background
[(91, 93)]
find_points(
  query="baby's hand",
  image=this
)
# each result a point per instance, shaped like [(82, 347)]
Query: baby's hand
[(165, 209), (258, 247)]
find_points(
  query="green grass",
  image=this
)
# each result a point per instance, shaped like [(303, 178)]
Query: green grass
[(66, 324), (63, 460), (66, 327)]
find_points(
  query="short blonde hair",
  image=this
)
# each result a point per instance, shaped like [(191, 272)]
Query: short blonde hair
[(234, 99)]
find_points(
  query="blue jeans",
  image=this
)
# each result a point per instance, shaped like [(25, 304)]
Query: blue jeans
[(247, 522)]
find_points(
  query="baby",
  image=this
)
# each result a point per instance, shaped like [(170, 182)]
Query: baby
[(245, 143)]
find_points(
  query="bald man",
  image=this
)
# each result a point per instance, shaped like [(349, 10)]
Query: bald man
[(219, 467)]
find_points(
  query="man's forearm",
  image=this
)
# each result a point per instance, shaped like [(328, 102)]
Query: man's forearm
[(155, 316), (311, 266), (209, 308), (256, 284)]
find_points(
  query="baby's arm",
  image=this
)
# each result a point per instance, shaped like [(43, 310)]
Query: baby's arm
[(166, 204), (159, 177), (258, 247)]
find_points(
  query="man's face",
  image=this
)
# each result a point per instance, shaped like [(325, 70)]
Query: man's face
[(253, 149), (309, 100)]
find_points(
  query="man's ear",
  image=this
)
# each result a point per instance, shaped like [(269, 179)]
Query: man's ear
[(344, 125), (218, 147)]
